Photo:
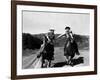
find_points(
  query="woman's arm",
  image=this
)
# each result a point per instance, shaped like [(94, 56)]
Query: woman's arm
[(71, 34)]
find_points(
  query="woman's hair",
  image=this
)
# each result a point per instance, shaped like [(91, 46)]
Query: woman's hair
[(67, 28)]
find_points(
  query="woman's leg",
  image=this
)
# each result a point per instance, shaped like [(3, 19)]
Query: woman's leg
[(76, 48)]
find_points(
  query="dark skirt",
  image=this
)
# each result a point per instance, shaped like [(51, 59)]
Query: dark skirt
[(70, 48)]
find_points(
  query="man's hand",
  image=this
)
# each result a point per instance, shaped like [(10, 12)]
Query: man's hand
[(38, 55)]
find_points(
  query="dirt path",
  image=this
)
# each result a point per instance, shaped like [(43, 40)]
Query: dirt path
[(30, 62)]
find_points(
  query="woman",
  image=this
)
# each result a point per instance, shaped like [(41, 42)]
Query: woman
[(70, 47)]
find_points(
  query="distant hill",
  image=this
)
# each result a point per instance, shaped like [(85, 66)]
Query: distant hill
[(30, 42), (82, 40), (34, 41)]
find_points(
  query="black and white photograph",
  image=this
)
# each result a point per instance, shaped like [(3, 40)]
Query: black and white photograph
[(53, 39)]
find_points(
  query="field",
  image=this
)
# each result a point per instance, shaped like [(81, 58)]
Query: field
[(29, 59)]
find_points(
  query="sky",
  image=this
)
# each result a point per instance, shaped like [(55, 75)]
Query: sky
[(40, 22)]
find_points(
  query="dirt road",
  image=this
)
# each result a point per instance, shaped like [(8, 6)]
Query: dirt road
[(30, 61)]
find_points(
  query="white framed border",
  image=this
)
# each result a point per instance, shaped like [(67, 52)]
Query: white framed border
[(21, 71)]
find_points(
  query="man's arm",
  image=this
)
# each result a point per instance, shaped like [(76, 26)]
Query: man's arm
[(60, 36), (43, 44)]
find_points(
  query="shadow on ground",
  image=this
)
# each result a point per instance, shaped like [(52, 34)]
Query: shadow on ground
[(74, 62)]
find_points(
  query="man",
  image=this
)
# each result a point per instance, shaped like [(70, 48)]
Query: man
[(48, 42), (69, 39)]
